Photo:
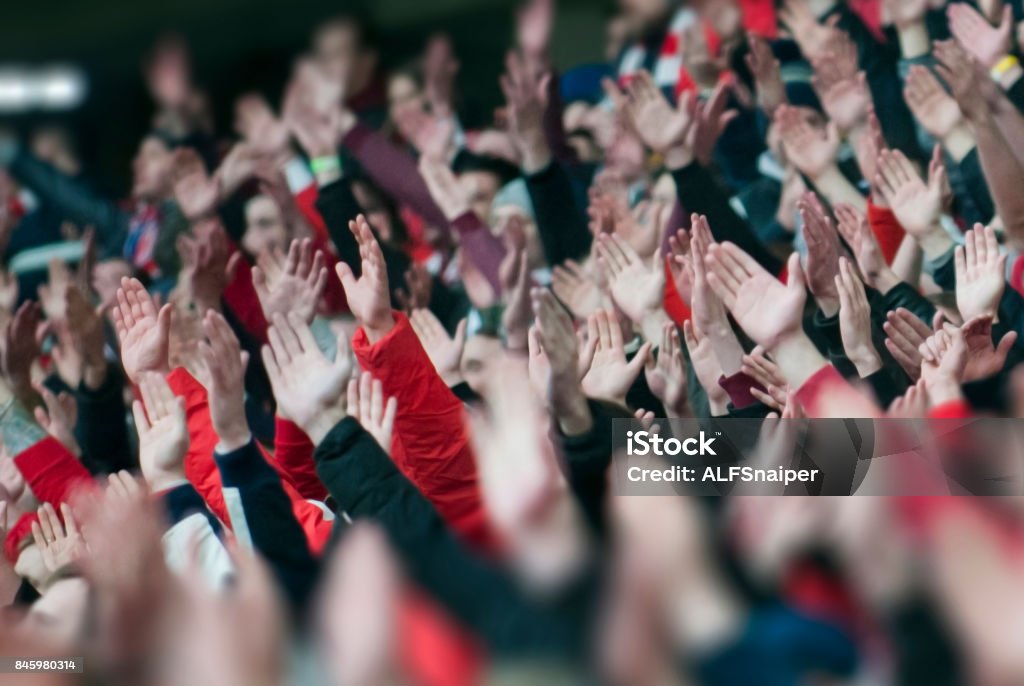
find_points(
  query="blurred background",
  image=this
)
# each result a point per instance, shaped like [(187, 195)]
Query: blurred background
[(236, 46)]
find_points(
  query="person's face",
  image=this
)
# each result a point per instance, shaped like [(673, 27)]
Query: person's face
[(338, 51), (478, 360), (265, 228), (403, 94), (481, 187), (151, 170)]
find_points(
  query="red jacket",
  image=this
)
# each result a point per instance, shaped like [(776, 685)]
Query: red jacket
[(201, 470), (431, 445)]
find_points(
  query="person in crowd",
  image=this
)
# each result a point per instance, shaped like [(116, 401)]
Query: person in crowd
[(338, 394)]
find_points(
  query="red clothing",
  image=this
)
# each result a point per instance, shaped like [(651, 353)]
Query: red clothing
[(431, 445), (827, 394), (202, 473), (240, 296), (887, 230), (675, 307), (293, 453), (51, 471)]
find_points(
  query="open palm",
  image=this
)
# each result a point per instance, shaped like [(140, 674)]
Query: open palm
[(143, 330)]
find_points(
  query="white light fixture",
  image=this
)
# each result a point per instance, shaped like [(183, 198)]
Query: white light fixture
[(53, 87)]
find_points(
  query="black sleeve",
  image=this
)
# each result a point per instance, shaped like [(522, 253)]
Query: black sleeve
[(102, 428), (906, 296), (972, 177), (365, 483), (698, 192), (74, 199), (561, 223), (337, 205), (1015, 94), (250, 482)]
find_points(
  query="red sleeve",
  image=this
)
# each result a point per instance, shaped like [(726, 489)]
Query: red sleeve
[(431, 445), (954, 409), (51, 471), (240, 296), (305, 200), (202, 473), (293, 453), (887, 230), (759, 17), (675, 306), (827, 394)]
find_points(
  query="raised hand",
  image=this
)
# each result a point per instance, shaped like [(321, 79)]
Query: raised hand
[(225, 362), (855, 321), (142, 329), (368, 296), (766, 373), (771, 91), (710, 120), (822, 253), (444, 351), (667, 377), (163, 433), (195, 191), (80, 341), (610, 375), (905, 333), (58, 417), (51, 293), (812, 150), (943, 363), (309, 389), (958, 70), (638, 289), (856, 231), (255, 122), (980, 273), (526, 93), (984, 359), (420, 284), (765, 308), (8, 291), (917, 205), (514, 273), (534, 23), (60, 543), (367, 406), (207, 264), (19, 348), (660, 126), (709, 314), (451, 197), (706, 367), (841, 87), (439, 70), (290, 284), (577, 289), (988, 44), (556, 364), (934, 108)]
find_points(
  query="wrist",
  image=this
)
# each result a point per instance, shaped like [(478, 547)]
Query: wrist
[(942, 389), (885, 280), (914, 39), (571, 410), (678, 157), (165, 480), (935, 242), (866, 360), (828, 303), (318, 426), (380, 327), (959, 142), (232, 439), (797, 358), (536, 154), (652, 323)]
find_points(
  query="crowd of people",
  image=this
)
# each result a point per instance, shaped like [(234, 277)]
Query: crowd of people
[(330, 397)]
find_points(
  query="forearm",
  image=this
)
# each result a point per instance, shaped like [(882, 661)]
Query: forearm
[(484, 250), (1003, 172), (394, 170), (561, 223), (838, 189)]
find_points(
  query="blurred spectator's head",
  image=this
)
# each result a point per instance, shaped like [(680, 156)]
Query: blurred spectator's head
[(646, 12), (345, 49), (265, 227), (151, 169), (405, 92), (56, 145)]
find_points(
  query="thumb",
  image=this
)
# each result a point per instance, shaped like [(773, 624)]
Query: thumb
[(1005, 344), (345, 275), (638, 362)]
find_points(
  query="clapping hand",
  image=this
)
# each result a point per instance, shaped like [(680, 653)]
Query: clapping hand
[(367, 406), (980, 273), (290, 284), (610, 375), (142, 330), (163, 433), (225, 362), (444, 351), (368, 296)]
